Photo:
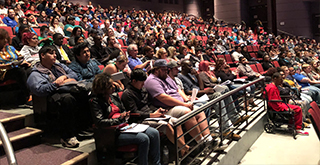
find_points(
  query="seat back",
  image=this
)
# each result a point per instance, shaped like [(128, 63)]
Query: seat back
[(315, 117), (228, 59), (275, 63), (250, 49), (260, 68), (253, 67), (220, 56), (253, 55)]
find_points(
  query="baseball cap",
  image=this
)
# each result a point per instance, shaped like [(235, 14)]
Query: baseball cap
[(160, 63), (172, 64)]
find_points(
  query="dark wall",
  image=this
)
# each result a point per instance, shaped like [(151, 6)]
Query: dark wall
[(295, 17), (228, 10)]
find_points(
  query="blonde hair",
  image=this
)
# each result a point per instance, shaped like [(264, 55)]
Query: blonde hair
[(160, 52), (171, 50)]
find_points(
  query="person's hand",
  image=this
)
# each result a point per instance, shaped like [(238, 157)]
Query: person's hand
[(209, 91), (194, 72), (60, 81), (124, 114), (68, 62), (189, 105), (158, 113), (299, 88), (117, 85), (26, 63)]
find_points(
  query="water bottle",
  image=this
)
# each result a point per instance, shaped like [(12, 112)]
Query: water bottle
[(165, 157), (219, 80)]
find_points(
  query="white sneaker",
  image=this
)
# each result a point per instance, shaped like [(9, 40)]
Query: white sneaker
[(70, 142), (304, 133)]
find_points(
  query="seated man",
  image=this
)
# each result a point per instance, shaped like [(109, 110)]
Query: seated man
[(47, 79), (237, 54), (9, 21), (113, 46), (164, 94), (308, 76), (190, 79), (274, 94), (293, 73), (118, 66), (246, 70), (134, 61), (83, 66), (101, 53), (135, 99), (64, 54)]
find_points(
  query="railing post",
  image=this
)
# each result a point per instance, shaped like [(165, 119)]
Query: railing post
[(220, 123), (176, 145), (7, 146)]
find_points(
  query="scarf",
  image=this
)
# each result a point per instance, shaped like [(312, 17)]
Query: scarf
[(51, 73)]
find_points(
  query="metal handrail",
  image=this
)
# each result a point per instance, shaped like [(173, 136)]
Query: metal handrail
[(7, 146), (183, 119), (193, 113)]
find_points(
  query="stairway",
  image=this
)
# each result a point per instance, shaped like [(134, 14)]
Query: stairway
[(26, 142)]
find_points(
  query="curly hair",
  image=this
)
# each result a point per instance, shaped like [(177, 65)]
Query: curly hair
[(100, 83), (27, 36)]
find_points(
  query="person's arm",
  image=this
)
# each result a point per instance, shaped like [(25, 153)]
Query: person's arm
[(206, 80), (75, 67), (99, 117), (143, 65), (183, 95), (130, 104), (39, 85), (71, 74), (170, 101), (69, 29)]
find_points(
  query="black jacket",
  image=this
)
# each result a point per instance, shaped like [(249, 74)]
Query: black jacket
[(136, 101), (100, 110), (68, 52)]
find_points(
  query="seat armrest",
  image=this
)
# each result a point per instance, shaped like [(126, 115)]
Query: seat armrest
[(275, 100)]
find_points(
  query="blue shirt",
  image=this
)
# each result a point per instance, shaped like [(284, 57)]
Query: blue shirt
[(299, 77), (133, 62), (9, 22)]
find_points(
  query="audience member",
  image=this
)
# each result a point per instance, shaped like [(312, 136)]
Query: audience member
[(108, 110), (64, 54), (83, 66), (274, 94)]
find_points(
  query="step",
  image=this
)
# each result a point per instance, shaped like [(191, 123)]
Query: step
[(23, 138), (12, 121), (25, 110), (45, 154)]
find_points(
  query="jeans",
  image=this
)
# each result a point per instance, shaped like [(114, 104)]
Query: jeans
[(314, 92), (148, 141), (228, 112)]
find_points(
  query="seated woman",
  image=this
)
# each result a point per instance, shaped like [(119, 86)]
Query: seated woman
[(83, 66), (162, 54), (17, 40), (119, 66), (207, 76), (223, 71), (30, 50), (274, 94), (107, 110), (76, 32), (9, 70)]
